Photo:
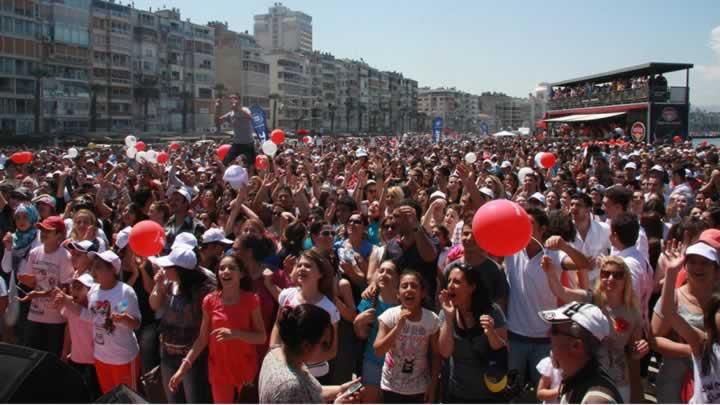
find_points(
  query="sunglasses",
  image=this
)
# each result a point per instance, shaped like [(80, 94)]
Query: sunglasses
[(327, 233), (389, 227), (354, 222), (617, 275)]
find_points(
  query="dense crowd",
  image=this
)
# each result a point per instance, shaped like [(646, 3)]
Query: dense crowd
[(348, 270), (589, 89)]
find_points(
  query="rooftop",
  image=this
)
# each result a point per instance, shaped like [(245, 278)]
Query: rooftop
[(651, 68)]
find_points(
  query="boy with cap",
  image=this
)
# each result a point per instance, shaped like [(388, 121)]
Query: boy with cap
[(48, 266), (576, 330)]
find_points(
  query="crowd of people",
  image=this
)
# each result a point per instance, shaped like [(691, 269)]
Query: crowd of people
[(348, 271), (589, 90)]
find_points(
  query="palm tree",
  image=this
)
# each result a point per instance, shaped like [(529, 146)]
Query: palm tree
[(146, 90), (39, 74), (362, 108), (219, 94), (422, 118), (185, 96), (94, 90), (349, 107), (274, 97)]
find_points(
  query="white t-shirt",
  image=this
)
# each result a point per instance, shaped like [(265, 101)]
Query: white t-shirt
[(642, 278), (596, 243), (406, 369), (50, 270), (3, 288), (290, 297), (708, 391), (114, 343), (81, 338), (529, 292), (546, 369)]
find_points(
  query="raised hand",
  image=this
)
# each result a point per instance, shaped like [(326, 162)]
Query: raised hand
[(674, 256), (447, 305), (487, 323), (555, 243)]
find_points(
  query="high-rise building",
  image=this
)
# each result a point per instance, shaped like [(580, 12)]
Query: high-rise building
[(20, 55), (290, 89), (240, 67), (282, 28)]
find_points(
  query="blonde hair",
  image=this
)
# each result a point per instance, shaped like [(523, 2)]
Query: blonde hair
[(396, 193), (629, 297), (93, 222)]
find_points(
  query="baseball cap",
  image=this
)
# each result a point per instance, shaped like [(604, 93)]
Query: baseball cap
[(598, 187), (657, 168), (631, 165), (45, 199), (21, 193), (588, 316), (183, 192), (711, 237), (82, 246), (539, 197), (109, 257), (215, 235), (184, 239), (53, 223), (704, 250), (487, 193), (361, 153), (85, 279), (123, 237), (438, 194), (182, 256), (505, 164)]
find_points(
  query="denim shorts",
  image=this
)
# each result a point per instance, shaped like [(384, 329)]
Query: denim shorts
[(371, 373)]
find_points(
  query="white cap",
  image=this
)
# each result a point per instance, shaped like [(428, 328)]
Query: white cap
[(215, 235), (184, 239), (237, 176), (123, 237), (704, 250), (86, 279), (630, 165), (109, 257), (181, 256), (505, 164), (588, 316), (487, 192), (185, 193), (84, 246), (657, 168), (438, 194), (361, 153), (539, 197)]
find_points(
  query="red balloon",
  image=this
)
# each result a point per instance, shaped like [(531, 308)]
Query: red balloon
[(140, 146), (147, 238), (222, 151), (17, 158), (303, 132), (677, 139), (277, 136), (262, 162), (547, 160), (306, 139), (174, 146), (501, 227), (162, 157)]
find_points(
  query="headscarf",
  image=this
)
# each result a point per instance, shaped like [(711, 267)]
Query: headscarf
[(23, 239)]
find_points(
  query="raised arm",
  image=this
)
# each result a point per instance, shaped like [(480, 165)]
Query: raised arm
[(561, 292)]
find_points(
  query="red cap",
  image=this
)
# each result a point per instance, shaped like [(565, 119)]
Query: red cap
[(711, 237), (53, 223)]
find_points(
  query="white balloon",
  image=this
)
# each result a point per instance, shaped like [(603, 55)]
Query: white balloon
[(130, 140), (471, 157), (152, 156), (236, 176), (269, 148), (73, 153), (537, 159), (141, 156), (131, 152), (524, 172)]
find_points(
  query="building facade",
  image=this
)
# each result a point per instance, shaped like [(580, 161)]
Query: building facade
[(282, 28)]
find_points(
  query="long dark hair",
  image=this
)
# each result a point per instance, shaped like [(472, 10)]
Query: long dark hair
[(190, 280), (245, 282), (260, 246), (708, 356), (294, 238), (327, 282), (481, 303), (306, 323)]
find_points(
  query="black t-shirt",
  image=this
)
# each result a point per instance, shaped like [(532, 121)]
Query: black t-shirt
[(410, 260)]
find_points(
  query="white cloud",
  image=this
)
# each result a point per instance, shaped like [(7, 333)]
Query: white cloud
[(712, 72), (715, 39)]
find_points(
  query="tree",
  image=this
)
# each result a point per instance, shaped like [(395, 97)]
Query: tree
[(39, 74), (274, 97), (349, 107), (219, 94), (373, 117), (186, 97), (94, 90), (146, 90)]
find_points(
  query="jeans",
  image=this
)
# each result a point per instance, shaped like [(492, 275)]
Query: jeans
[(237, 149), (390, 397), (524, 356), (149, 347), (48, 337), (194, 387), (89, 375)]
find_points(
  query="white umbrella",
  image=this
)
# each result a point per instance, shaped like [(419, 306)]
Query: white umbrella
[(504, 133)]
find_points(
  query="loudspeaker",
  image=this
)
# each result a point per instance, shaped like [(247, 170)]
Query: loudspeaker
[(121, 395), (30, 375)]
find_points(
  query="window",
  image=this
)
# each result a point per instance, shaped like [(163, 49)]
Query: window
[(204, 93)]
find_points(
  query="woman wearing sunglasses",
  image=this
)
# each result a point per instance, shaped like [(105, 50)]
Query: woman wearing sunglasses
[(621, 353)]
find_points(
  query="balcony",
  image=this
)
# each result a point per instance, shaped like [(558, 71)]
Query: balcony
[(601, 98)]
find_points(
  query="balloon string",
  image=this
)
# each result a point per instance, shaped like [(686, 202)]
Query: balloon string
[(541, 245)]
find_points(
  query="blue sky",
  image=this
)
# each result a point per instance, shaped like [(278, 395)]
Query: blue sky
[(507, 46)]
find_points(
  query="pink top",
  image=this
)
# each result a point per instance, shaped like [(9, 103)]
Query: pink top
[(81, 338)]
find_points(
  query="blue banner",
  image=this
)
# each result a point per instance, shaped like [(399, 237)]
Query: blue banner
[(259, 122), (484, 130), (437, 128)]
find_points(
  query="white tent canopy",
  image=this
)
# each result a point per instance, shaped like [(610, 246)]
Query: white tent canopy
[(504, 133), (524, 131), (584, 117)]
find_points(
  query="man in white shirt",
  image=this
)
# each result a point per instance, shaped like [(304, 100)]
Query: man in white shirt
[(528, 335), (623, 236), (592, 237), (617, 201)]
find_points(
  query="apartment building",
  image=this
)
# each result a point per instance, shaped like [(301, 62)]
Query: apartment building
[(282, 28), (290, 89)]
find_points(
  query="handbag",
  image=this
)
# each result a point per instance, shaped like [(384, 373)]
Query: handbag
[(152, 385), (12, 313)]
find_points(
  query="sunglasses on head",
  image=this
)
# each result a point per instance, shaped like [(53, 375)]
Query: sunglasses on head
[(617, 275)]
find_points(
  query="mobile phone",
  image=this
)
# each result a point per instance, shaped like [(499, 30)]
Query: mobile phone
[(354, 388)]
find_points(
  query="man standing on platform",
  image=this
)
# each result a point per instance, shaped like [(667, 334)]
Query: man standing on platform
[(243, 143)]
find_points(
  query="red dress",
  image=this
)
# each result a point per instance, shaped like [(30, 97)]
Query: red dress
[(233, 362)]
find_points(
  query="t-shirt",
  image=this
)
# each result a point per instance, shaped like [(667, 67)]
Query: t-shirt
[(625, 323), (279, 384), (50, 270), (410, 259), (81, 337), (291, 297), (546, 369), (232, 362), (114, 343), (706, 389), (380, 308), (182, 316), (241, 123), (642, 278), (473, 360), (3, 288), (406, 369)]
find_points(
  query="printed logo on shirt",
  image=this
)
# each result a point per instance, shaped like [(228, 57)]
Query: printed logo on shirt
[(103, 323)]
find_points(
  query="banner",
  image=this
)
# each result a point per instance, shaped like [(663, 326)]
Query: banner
[(437, 127), (259, 122), (484, 130)]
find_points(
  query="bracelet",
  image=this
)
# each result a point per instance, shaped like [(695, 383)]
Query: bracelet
[(185, 360)]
